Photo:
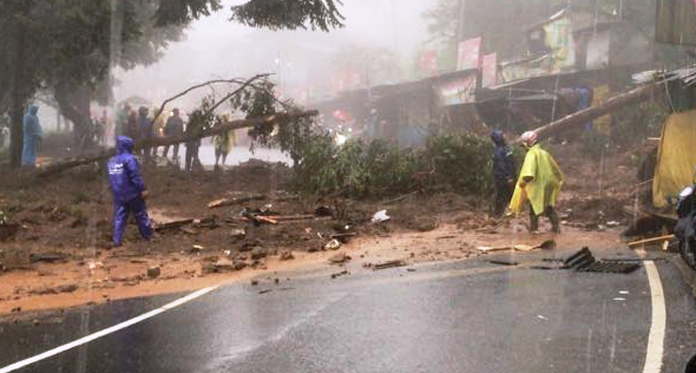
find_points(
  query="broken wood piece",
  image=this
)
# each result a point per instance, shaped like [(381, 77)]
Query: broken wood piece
[(487, 249), (523, 247), (388, 264), (172, 224), (280, 218), (235, 201), (496, 226), (503, 262), (399, 199), (651, 240), (265, 219), (189, 231)]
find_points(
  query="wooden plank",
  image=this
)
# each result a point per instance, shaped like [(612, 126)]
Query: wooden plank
[(651, 240)]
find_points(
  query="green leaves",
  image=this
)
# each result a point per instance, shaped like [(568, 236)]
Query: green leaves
[(289, 14), (460, 162)]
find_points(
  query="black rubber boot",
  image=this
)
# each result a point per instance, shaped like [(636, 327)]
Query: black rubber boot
[(555, 223)]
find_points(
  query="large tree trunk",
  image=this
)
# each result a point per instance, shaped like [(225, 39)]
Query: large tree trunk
[(18, 100), (66, 164), (74, 104), (581, 117)]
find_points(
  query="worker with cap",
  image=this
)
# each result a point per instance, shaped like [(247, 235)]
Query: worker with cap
[(539, 183)]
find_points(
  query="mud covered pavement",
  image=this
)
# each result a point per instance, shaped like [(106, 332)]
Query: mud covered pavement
[(216, 225)]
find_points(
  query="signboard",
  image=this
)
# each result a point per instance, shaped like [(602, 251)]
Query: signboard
[(489, 74), (559, 38), (559, 57), (428, 63), (675, 22), (458, 91), (469, 54)]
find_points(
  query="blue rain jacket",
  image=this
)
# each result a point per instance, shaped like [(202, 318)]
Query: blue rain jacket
[(32, 136), (124, 172)]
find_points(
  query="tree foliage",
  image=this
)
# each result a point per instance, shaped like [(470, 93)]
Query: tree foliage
[(69, 46)]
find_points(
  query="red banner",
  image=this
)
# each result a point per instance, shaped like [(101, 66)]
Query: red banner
[(469, 55), (489, 74), (428, 62)]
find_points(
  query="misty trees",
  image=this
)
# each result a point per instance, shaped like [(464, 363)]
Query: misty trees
[(69, 46)]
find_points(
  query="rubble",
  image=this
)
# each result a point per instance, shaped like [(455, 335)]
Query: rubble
[(154, 272), (286, 255), (258, 253), (332, 245), (238, 234), (339, 258)]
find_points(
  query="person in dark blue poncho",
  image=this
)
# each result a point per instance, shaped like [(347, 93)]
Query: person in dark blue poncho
[(128, 189)]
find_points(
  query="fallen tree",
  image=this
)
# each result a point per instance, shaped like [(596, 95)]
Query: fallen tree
[(632, 97), (270, 120)]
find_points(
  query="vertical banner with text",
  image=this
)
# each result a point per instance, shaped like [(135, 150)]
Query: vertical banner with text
[(469, 54), (489, 73)]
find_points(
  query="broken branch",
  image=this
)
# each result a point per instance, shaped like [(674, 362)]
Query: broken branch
[(68, 163)]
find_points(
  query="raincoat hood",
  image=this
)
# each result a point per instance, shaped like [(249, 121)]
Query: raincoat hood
[(33, 109), (498, 138), (124, 144)]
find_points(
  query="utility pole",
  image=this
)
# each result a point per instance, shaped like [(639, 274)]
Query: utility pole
[(460, 28)]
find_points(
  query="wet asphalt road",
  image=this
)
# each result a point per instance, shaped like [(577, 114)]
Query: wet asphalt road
[(458, 317)]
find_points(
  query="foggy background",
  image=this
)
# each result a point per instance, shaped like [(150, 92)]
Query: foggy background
[(214, 47)]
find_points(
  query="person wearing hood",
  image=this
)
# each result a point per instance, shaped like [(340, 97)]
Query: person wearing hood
[(539, 183), (32, 137), (145, 126), (174, 127), (504, 172), (129, 191)]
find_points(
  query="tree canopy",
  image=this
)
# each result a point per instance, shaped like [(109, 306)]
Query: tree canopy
[(69, 46)]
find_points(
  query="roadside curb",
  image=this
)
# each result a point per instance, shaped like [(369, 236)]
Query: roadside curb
[(688, 274)]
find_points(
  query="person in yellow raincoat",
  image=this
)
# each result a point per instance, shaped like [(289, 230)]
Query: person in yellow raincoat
[(539, 184), (223, 144)]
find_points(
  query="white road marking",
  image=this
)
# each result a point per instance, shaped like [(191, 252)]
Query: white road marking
[(107, 331), (656, 338)]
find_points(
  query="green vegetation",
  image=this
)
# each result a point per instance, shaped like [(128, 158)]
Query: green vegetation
[(459, 163)]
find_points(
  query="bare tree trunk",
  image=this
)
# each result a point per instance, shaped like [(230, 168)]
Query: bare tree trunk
[(581, 117), (74, 104), (18, 101)]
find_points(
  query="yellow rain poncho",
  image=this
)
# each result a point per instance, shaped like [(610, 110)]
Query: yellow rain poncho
[(676, 157), (225, 142), (545, 184)]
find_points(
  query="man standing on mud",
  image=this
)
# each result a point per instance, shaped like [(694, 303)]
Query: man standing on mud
[(504, 173), (173, 127), (129, 191), (145, 126), (539, 183), (193, 128)]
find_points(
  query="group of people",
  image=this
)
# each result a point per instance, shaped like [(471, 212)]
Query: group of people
[(537, 186), (143, 126)]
